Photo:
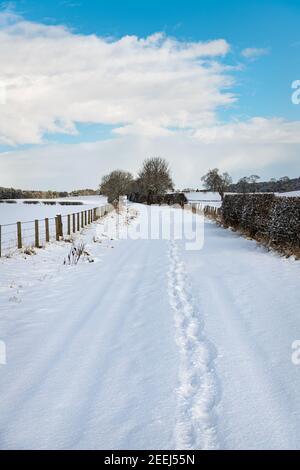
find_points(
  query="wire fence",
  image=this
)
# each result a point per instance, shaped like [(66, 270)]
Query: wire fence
[(36, 233)]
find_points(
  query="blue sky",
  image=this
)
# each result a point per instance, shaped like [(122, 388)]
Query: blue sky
[(260, 82), (264, 89)]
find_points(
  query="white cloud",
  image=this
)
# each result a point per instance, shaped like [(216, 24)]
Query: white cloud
[(55, 78), (254, 52), (255, 130), (162, 95)]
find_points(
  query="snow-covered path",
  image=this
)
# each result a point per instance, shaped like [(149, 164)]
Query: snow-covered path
[(97, 368), (151, 346), (249, 300)]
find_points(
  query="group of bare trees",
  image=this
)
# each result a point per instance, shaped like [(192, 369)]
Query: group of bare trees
[(252, 184), (153, 178), (248, 183), (11, 193), (216, 182), (222, 182)]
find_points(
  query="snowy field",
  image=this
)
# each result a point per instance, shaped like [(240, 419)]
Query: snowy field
[(28, 213), (214, 199), (205, 199), (144, 345), (289, 194), (20, 212)]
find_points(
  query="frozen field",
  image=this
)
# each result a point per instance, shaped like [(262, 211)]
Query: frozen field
[(150, 346), (20, 212), (10, 214)]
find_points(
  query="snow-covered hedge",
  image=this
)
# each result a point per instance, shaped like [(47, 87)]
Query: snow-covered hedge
[(275, 219), (170, 198), (284, 227)]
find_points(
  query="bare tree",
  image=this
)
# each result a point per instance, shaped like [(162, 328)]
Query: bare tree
[(243, 184), (248, 184), (284, 179), (155, 177), (253, 180), (217, 182), (284, 183), (115, 184)]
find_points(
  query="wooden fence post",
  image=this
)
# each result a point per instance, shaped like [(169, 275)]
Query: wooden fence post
[(82, 220), (74, 223), (0, 239), (69, 224), (47, 230), (60, 224), (78, 222), (57, 232), (36, 230), (85, 218), (19, 234)]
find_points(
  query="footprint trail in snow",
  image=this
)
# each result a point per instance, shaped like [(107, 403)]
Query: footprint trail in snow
[(197, 382)]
